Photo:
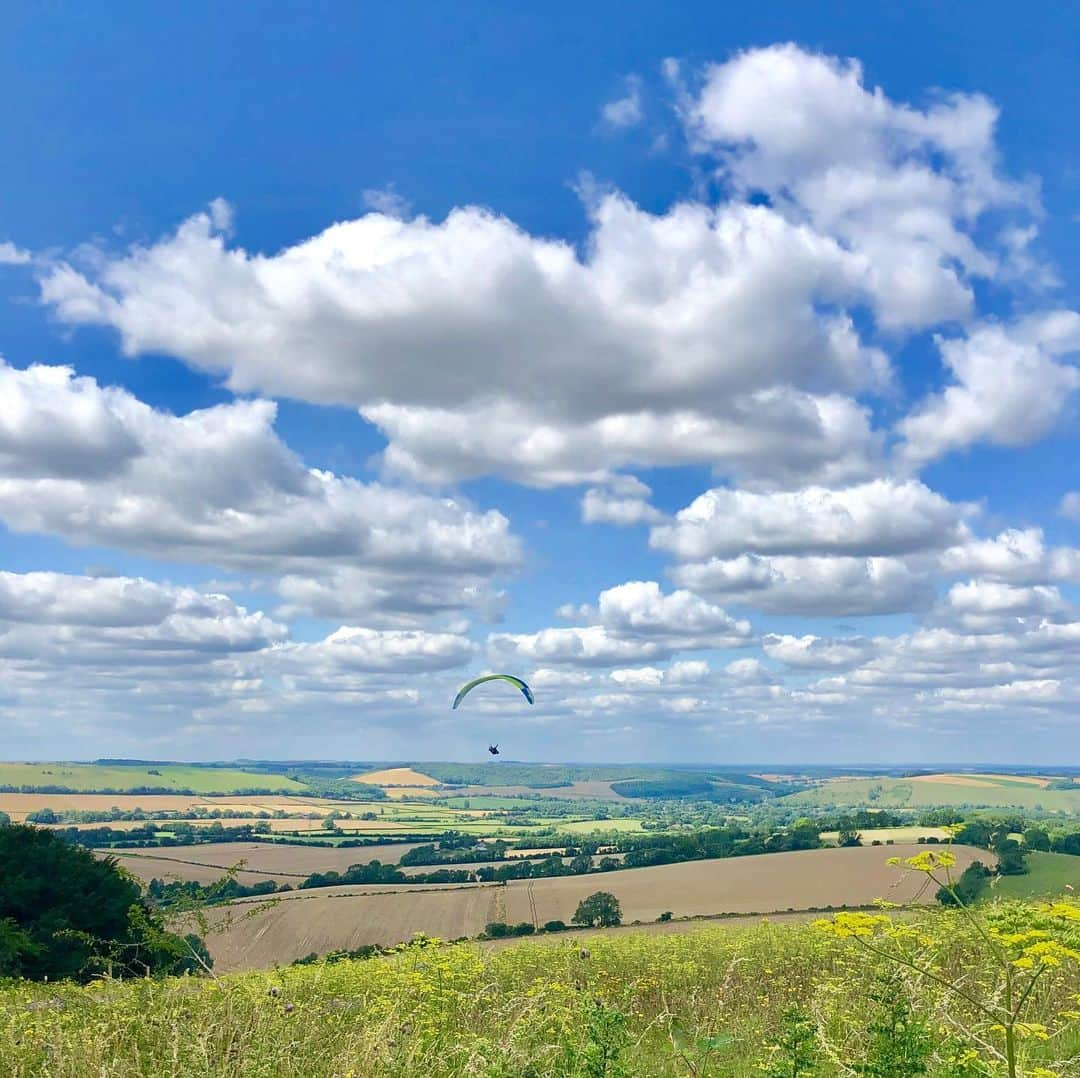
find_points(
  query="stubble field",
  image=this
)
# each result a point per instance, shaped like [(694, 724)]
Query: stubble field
[(264, 932)]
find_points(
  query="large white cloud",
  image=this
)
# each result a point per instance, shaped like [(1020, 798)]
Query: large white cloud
[(417, 323), (902, 186), (218, 486)]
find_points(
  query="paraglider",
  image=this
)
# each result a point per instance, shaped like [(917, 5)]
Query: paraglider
[(469, 686)]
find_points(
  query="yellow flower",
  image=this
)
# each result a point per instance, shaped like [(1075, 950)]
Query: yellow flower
[(928, 860)]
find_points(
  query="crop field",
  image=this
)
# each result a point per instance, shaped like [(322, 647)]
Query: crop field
[(926, 791), (125, 777), (335, 918), (1049, 875), (282, 862), (18, 805), (586, 827), (289, 926), (396, 776)]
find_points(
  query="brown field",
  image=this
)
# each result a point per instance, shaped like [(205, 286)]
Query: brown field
[(290, 825), (403, 793), (207, 862), (396, 776), (332, 918)]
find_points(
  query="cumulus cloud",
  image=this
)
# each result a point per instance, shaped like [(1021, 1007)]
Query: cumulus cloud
[(1009, 389), (1016, 555), (880, 518), (218, 486), (659, 323), (623, 503), (363, 650), (59, 619), (812, 586), (902, 186), (637, 623)]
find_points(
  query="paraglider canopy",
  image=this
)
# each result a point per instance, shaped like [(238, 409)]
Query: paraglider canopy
[(469, 686)]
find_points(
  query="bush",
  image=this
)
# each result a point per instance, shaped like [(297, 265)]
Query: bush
[(495, 930), (553, 926), (66, 914), (665, 916)]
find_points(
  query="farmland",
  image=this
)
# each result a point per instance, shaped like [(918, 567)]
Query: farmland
[(924, 791), (89, 777), (284, 863), (292, 925)]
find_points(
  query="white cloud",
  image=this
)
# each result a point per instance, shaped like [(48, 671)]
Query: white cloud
[(877, 518), (625, 111), (10, 255), (749, 671), (54, 619), (363, 650), (902, 186), (536, 355), (1070, 505), (816, 652), (1017, 555), (217, 486), (623, 503), (813, 586), (637, 623), (1009, 390)]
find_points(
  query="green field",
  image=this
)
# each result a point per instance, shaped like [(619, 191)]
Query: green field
[(85, 778), (1048, 875), (999, 792), (585, 827)]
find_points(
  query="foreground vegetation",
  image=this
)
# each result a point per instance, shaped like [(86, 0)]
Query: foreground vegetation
[(773, 1000)]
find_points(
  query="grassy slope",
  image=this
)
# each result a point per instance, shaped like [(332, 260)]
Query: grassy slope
[(89, 777), (529, 1011), (903, 793), (1048, 875)]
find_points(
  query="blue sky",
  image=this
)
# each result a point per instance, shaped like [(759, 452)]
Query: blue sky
[(714, 369)]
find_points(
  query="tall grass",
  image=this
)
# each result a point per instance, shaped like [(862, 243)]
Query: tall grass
[(713, 1001)]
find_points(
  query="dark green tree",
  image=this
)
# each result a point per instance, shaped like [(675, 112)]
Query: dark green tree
[(600, 910), (66, 914)]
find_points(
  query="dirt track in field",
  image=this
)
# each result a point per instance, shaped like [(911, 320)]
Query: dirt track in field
[(335, 918)]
